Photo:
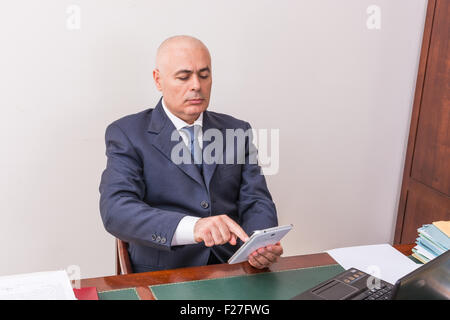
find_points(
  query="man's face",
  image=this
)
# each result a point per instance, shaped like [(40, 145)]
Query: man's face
[(183, 75)]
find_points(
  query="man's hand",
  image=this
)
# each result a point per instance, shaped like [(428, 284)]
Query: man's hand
[(217, 230), (264, 257)]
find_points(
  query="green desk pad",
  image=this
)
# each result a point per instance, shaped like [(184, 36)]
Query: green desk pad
[(122, 294), (281, 285)]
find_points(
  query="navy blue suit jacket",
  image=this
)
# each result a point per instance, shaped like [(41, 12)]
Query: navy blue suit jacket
[(144, 195)]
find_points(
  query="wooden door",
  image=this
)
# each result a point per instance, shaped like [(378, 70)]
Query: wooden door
[(425, 194)]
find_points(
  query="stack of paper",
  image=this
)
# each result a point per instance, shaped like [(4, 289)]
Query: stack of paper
[(381, 261), (433, 240), (54, 285)]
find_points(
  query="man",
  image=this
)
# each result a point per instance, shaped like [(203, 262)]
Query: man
[(181, 214)]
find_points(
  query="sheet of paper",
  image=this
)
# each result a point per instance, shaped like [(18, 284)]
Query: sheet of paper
[(444, 226), (382, 261), (424, 252), (53, 285)]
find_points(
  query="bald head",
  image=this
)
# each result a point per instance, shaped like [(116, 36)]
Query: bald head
[(183, 75), (176, 45)]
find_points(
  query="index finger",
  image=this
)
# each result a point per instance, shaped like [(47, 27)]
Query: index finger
[(237, 230), (276, 249)]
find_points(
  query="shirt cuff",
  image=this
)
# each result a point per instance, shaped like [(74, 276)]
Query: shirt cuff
[(184, 234)]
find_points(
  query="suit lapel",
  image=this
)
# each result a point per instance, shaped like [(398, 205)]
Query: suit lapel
[(209, 169), (161, 125)]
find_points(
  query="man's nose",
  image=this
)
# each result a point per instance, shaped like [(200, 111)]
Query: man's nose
[(195, 86)]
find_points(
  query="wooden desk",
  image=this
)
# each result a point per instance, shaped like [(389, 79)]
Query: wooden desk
[(141, 281)]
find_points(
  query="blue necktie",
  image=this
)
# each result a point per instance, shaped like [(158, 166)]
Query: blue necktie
[(196, 151)]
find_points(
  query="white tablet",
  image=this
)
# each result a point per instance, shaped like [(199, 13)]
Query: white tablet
[(259, 239)]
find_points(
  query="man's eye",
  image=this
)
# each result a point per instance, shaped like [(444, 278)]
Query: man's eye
[(187, 77)]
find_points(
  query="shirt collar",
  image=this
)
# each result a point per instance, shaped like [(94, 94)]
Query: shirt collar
[(179, 123)]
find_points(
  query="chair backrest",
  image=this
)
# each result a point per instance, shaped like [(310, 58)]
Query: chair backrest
[(123, 264)]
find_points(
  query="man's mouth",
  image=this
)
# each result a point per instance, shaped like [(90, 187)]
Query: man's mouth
[(195, 101)]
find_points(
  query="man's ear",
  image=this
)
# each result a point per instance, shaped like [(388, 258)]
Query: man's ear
[(157, 78)]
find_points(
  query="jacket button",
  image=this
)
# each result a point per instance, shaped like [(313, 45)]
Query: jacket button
[(153, 237), (204, 204)]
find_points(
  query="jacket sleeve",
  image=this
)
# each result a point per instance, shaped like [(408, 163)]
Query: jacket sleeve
[(123, 210), (256, 209)]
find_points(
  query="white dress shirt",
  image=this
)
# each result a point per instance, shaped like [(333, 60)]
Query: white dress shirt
[(184, 234)]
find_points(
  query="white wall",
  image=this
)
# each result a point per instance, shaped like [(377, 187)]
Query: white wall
[(340, 94)]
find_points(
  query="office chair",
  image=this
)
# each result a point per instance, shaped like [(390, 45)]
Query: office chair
[(123, 264)]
